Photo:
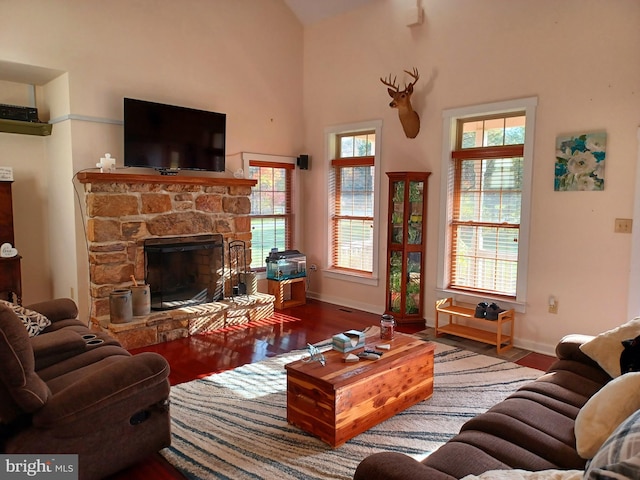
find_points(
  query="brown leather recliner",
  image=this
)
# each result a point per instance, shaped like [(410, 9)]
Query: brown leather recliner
[(73, 391)]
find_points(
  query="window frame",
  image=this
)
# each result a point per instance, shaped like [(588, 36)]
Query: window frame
[(247, 159), (450, 120), (331, 136)]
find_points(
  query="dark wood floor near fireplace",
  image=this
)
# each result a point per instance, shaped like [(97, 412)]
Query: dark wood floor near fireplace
[(290, 329)]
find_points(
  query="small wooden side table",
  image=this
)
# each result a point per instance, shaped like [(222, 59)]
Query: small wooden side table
[(298, 292)]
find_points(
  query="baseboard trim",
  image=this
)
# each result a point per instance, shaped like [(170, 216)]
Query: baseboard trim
[(365, 307), (537, 347)]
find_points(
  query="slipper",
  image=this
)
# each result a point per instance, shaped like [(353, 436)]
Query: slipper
[(481, 310), (493, 311)]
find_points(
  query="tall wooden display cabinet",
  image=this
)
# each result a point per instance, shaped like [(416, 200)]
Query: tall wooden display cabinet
[(406, 245), (10, 281)]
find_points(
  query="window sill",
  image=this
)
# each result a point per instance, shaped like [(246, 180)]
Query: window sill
[(474, 299), (351, 277)]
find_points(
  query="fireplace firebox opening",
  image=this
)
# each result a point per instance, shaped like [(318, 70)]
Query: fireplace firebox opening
[(184, 271)]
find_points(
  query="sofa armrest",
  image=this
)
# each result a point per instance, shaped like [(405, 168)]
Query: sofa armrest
[(58, 345), (117, 383), (568, 348), (396, 466), (57, 309)]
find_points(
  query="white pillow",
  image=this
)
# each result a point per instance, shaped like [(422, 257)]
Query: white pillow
[(607, 347), (33, 321), (604, 411)]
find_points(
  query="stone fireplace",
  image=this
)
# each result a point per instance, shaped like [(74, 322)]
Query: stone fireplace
[(125, 212)]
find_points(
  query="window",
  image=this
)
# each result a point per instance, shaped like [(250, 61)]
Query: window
[(271, 207), (353, 184), (487, 186)]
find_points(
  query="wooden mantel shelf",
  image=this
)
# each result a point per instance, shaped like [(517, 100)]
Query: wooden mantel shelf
[(97, 177)]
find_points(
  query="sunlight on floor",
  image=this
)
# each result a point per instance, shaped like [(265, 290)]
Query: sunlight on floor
[(275, 319)]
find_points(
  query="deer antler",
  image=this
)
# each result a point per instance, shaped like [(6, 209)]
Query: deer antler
[(402, 101), (388, 83), (413, 74)]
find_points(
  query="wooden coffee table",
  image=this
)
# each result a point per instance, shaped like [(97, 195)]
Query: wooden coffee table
[(341, 400)]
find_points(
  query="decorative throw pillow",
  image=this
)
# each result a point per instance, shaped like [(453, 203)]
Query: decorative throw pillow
[(619, 456), (606, 348), (605, 411), (33, 321)]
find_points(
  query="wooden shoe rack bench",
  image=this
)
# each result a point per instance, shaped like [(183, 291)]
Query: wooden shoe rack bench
[(479, 329)]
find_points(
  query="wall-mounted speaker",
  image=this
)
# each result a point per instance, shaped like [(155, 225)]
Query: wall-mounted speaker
[(303, 162)]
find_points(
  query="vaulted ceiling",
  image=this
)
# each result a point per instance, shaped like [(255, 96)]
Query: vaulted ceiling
[(311, 11)]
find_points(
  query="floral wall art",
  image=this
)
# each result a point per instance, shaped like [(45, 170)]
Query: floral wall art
[(580, 162)]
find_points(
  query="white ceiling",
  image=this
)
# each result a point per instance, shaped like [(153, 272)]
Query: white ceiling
[(311, 11)]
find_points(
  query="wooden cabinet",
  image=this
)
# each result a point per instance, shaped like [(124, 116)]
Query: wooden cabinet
[(298, 292), (10, 282), (6, 213), (406, 244)]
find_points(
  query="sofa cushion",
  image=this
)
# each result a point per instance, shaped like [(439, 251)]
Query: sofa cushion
[(619, 456), (568, 348), (518, 427), (33, 321), (605, 411), (607, 347), (16, 357), (57, 309)]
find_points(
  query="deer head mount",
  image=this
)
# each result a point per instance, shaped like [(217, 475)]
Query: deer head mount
[(402, 101)]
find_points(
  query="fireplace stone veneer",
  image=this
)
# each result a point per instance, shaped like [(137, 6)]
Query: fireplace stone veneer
[(123, 210)]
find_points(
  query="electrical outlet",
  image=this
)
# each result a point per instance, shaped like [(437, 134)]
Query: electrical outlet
[(553, 304), (313, 267), (623, 225)]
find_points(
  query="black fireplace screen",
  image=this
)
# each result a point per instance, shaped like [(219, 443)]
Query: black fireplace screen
[(184, 271)]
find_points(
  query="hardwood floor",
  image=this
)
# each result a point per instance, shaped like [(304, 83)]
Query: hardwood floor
[(289, 329)]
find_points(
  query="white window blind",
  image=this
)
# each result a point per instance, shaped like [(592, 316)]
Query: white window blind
[(487, 181), (352, 205), (271, 210)]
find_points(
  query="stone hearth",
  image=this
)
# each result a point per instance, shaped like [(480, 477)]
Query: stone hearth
[(170, 325), (122, 210)]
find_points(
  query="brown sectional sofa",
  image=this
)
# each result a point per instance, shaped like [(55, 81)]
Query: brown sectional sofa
[(70, 390), (531, 430)]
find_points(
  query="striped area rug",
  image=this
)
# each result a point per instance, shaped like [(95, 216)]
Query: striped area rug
[(232, 425)]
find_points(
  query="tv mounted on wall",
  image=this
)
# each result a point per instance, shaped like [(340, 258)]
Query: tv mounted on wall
[(171, 138)]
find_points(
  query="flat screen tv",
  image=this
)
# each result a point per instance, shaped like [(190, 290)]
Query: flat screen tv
[(171, 138)]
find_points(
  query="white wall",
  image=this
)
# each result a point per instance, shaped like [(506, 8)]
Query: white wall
[(281, 87), (25, 154), (240, 57), (579, 57)]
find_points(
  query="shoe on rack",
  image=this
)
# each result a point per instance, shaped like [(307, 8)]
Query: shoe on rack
[(481, 310), (493, 311)]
